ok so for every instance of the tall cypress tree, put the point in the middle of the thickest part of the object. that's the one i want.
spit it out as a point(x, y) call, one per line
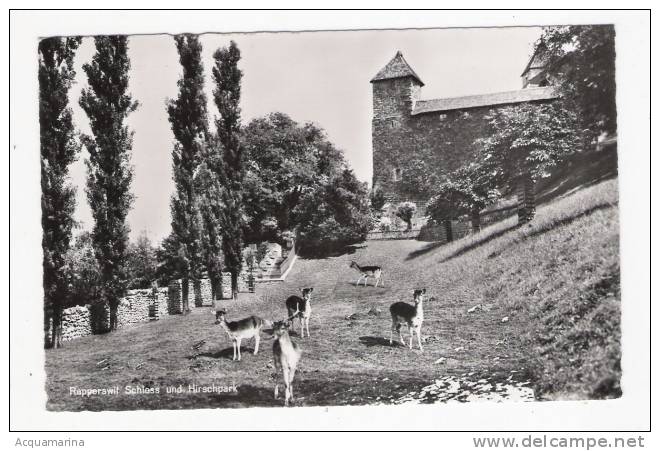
point(188, 118)
point(58, 150)
point(227, 95)
point(109, 172)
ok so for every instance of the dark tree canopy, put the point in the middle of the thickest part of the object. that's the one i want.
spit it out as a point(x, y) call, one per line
point(283, 159)
point(59, 149)
point(188, 118)
point(142, 263)
point(583, 59)
point(227, 95)
point(109, 172)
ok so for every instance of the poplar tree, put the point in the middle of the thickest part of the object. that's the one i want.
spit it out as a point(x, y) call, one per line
point(109, 171)
point(227, 95)
point(59, 149)
point(188, 118)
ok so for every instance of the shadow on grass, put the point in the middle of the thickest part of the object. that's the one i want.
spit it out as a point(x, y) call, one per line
point(461, 250)
point(227, 353)
point(320, 253)
point(553, 225)
point(370, 341)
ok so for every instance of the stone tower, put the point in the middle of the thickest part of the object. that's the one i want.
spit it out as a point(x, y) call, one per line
point(396, 88)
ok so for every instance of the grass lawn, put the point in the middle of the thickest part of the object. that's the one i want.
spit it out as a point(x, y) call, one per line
point(556, 281)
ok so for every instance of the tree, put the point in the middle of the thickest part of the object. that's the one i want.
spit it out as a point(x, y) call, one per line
point(406, 211)
point(142, 263)
point(227, 95)
point(109, 173)
point(477, 185)
point(283, 161)
point(582, 60)
point(210, 203)
point(446, 205)
point(188, 118)
point(524, 144)
point(83, 272)
point(58, 150)
point(334, 214)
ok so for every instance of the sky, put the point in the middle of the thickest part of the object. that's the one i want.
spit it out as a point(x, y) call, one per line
point(322, 77)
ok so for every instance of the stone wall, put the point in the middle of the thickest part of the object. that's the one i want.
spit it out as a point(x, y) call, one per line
point(138, 306)
point(203, 293)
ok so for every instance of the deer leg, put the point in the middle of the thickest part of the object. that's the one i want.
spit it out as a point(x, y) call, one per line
point(287, 385)
point(419, 338)
point(238, 346)
point(277, 389)
point(398, 329)
point(233, 347)
point(412, 333)
point(256, 343)
point(307, 326)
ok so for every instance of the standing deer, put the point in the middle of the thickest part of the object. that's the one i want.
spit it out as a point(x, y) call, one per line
point(368, 271)
point(301, 308)
point(237, 330)
point(411, 315)
point(286, 355)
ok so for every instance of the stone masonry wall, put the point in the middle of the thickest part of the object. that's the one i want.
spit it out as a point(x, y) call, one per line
point(175, 301)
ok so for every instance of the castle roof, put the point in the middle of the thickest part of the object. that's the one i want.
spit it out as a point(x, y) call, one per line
point(476, 101)
point(398, 67)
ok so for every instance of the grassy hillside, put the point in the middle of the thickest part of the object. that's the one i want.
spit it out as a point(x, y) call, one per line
point(556, 281)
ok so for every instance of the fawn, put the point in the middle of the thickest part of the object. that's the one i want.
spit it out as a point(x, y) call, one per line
point(368, 271)
point(411, 315)
point(237, 330)
point(301, 308)
point(286, 355)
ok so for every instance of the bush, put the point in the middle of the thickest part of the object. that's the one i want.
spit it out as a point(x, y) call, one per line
point(406, 211)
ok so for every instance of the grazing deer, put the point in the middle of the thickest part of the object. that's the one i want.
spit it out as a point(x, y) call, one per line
point(411, 315)
point(301, 308)
point(368, 271)
point(237, 330)
point(286, 355)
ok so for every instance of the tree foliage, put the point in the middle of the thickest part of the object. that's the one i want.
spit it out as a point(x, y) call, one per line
point(583, 60)
point(406, 211)
point(334, 214)
point(109, 172)
point(227, 95)
point(83, 272)
point(59, 149)
point(188, 118)
point(525, 143)
point(283, 160)
point(142, 263)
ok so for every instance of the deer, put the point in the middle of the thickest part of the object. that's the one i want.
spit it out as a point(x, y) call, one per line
point(286, 355)
point(410, 315)
point(237, 330)
point(368, 271)
point(301, 308)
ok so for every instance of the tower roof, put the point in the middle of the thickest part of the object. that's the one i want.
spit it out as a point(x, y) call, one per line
point(398, 67)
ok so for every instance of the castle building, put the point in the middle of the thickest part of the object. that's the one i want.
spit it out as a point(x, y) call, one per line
point(409, 132)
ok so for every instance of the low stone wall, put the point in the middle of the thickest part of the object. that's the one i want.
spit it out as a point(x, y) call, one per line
point(138, 306)
point(76, 322)
point(203, 293)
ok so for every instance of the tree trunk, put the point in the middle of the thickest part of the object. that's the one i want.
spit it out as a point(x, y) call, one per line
point(449, 236)
point(185, 292)
point(526, 199)
point(476, 221)
point(113, 314)
point(234, 283)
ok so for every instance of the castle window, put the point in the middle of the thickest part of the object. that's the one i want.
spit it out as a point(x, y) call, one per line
point(466, 115)
point(442, 117)
point(396, 174)
point(393, 123)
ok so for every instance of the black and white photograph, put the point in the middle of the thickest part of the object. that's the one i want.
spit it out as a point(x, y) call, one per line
point(396, 217)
